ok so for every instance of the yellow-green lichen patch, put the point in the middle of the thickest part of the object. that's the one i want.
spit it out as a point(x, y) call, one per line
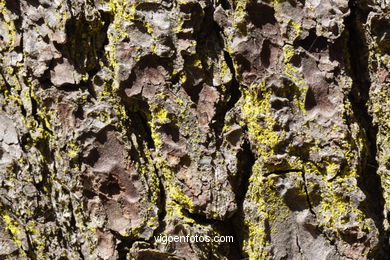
point(13, 228)
point(147, 168)
point(161, 115)
point(337, 209)
point(294, 74)
point(174, 193)
point(121, 11)
point(383, 139)
point(332, 185)
point(266, 209)
point(256, 114)
point(8, 40)
point(37, 238)
point(239, 15)
point(379, 66)
point(125, 12)
point(293, 30)
point(176, 199)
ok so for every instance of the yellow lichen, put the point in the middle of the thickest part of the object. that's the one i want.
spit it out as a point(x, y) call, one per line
point(9, 39)
point(293, 30)
point(257, 117)
point(12, 226)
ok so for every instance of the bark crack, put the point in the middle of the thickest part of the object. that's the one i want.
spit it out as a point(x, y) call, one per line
point(240, 183)
point(311, 209)
point(234, 92)
point(369, 180)
point(309, 203)
point(234, 96)
point(298, 245)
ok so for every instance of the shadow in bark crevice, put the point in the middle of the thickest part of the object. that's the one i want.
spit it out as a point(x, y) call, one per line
point(246, 160)
point(369, 180)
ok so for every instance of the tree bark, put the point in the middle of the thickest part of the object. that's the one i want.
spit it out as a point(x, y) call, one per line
point(122, 121)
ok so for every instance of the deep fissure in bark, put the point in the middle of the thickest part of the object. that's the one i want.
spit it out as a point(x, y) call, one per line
point(369, 180)
point(308, 200)
point(246, 160)
point(140, 119)
point(163, 212)
point(234, 96)
point(123, 247)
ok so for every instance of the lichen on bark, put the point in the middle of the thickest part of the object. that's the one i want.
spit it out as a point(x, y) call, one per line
point(267, 121)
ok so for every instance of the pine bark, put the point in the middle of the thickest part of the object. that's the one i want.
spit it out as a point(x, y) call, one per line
point(125, 120)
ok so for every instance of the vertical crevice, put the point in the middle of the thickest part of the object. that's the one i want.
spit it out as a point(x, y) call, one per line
point(123, 245)
point(240, 184)
point(369, 180)
point(163, 211)
point(211, 44)
point(140, 119)
point(298, 245)
point(139, 114)
point(7, 91)
point(246, 160)
point(309, 203)
point(234, 96)
point(235, 93)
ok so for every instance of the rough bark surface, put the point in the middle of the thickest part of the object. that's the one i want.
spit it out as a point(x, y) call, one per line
point(121, 120)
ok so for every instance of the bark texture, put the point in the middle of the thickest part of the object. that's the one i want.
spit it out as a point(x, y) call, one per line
point(121, 120)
